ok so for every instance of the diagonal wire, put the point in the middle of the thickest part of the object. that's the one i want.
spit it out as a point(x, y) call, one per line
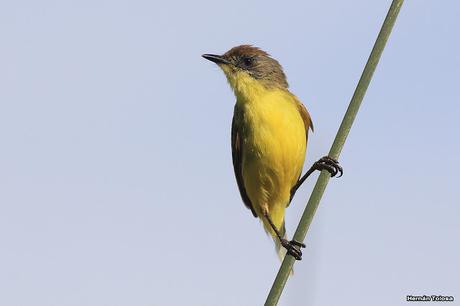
point(339, 141)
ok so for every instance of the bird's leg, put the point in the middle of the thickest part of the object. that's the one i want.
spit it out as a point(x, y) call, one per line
point(324, 163)
point(292, 247)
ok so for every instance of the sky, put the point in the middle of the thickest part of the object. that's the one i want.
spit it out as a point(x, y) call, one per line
point(116, 180)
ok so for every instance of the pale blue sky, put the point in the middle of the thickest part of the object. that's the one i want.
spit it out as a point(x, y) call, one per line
point(116, 181)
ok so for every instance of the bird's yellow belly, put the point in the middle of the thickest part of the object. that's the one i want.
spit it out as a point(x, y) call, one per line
point(273, 155)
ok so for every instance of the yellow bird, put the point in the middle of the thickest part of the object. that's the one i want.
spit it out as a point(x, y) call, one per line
point(269, 139)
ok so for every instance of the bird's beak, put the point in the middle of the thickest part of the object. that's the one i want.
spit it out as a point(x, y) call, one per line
point(218, 59)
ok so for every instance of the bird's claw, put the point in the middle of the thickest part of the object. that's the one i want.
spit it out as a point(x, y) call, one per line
point(293, 248)
point(329, 164)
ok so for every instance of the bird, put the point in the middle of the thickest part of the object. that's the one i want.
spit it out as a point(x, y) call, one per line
point(269, 136)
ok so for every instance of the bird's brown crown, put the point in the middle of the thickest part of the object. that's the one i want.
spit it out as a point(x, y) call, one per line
point(258, 64)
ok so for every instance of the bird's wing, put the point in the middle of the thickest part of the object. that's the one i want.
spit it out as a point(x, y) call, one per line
point(237, 156)
point(305, 117)
point(308, 123)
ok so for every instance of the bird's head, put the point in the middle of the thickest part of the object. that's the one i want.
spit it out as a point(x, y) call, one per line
point(246, 66)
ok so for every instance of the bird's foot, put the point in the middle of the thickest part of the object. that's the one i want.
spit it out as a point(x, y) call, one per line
point(293, 248)
point(329, 164)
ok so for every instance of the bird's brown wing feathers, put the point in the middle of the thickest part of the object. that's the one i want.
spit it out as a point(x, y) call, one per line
point(237, 156)
point(308, 123)
point(305, 117)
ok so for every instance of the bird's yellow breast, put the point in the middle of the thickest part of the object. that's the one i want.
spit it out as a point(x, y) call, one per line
point(274, 145)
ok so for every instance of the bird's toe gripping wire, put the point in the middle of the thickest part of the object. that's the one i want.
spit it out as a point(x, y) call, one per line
point(324, 163)
point(329, 164)
point(293, 248)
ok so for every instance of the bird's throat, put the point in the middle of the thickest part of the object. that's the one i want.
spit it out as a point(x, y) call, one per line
point(246, 88)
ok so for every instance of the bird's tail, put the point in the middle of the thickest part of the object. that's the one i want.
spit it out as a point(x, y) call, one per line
point(280, 250)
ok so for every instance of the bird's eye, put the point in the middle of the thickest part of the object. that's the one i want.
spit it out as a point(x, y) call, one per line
point(248, 61)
